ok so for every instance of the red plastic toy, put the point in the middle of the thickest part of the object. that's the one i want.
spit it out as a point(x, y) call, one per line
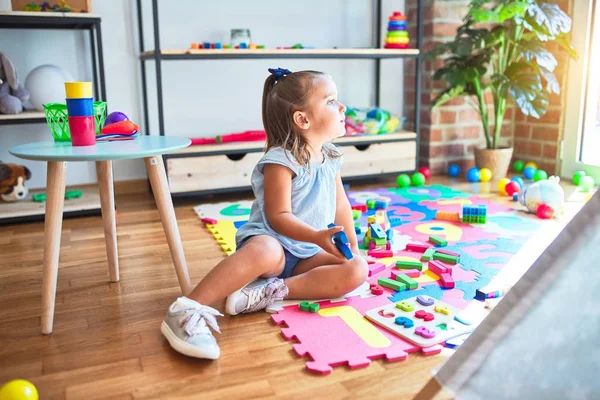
point(512, 187)
point(545, 211)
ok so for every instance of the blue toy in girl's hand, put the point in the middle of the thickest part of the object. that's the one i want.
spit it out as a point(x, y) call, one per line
point(453, 170)
point(341, 242)
point(529, 172)
point(473, 175)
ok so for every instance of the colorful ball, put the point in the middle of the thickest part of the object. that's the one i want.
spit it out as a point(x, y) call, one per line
point(403, 180)
point(502, 186)
point(425, 171)
point(18, 389)
point(115, 116)
point(586, 183)
point(545, 211)
point(453, 170)
point(473, 175)
point(485, 174)
point(531, 164)
point(418, 179)
point(577, 176)
point(511, 188)
point(528, 172)
point(519, 180)
point(518, 166)
point(539, 175)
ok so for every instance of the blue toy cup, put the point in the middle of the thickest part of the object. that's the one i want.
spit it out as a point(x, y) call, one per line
point(80, 107)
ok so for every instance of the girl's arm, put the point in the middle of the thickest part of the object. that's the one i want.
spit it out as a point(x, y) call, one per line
point(278, 209)
point(343, 214)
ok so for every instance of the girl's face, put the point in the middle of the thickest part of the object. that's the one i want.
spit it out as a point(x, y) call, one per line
point(325, 113)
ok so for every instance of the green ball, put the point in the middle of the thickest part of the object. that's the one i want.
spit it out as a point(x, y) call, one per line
point(539, 175)
point(577, 177)
point(418, 179)
point(403, 180)
point(586, 183)
point(518, 166)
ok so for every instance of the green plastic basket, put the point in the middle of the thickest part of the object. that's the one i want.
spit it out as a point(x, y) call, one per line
point(58, 119)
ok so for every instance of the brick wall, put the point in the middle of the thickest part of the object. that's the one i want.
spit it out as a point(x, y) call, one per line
point(450, 132)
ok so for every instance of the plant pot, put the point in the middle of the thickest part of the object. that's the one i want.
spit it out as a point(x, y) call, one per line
point(497, 160)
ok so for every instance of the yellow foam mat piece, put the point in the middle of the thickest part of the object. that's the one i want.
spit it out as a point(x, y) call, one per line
point(224, 234)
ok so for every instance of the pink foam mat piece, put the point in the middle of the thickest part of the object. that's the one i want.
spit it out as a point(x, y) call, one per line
point(330, 342)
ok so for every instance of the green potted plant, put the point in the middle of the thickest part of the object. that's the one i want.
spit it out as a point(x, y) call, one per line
point(507, 56)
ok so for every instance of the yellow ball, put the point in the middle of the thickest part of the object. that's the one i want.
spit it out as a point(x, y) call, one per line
point(531, 164)
point(19, 389)
point(502, 186)
point(485, 175)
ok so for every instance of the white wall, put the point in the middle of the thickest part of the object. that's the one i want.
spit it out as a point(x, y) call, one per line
point(201, 98)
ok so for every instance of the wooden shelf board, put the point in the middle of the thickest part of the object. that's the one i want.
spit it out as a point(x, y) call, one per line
point(48, 14)
point(254, 146)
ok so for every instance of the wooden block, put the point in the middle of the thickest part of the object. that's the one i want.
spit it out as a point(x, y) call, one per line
point(437, 268)
point(409, 282)
point(409, 265)
point(377, 232)
point(445, 258)
point(438, 241)
point(447, 216)
point(428, 254)
point(450, 253)
point(390, 284)
point(360, 207)
point(380, 253)
point(412, 273)
point(420, 248)
point(375, 268)
point(446, 281)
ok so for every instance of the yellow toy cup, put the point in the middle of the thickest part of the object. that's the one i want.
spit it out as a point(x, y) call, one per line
point(78, 90)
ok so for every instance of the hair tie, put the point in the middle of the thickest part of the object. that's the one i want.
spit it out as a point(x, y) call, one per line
point(279, 72)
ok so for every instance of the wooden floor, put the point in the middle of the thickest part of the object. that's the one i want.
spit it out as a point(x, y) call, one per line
point(107, 343)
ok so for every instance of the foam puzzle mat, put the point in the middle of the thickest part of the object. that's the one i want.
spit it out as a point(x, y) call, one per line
point(339, 334)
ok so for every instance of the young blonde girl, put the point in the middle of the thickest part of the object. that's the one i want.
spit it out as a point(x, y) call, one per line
point(285, 250)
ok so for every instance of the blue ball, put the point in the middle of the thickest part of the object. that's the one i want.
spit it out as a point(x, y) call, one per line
point(519, 180)
point(453, 170)
point(473, 175)
point(528, 172)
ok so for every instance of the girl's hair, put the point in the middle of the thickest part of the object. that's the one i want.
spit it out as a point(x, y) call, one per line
point(283, 95)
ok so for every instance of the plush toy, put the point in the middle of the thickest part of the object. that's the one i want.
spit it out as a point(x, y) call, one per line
point(546, 191)
point(12, 94)
point(12, 181)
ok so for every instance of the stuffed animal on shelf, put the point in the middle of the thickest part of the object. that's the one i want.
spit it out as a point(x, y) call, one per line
point(12, 94)
point(12, 181)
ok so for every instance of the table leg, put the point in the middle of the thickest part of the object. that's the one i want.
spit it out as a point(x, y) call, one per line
point(160, 187)
point(107, 202)
point(55, 200)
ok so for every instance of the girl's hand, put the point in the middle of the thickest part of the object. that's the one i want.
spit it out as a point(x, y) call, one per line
point(324, 239)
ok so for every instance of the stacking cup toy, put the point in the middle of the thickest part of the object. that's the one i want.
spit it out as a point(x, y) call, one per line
point(80, 107)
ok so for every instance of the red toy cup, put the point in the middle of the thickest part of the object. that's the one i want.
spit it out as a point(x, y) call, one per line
point(83, 131)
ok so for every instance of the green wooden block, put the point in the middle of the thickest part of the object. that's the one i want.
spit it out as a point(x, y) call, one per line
point(394, 285)
point(445, 258)
point(380, 242)
point(427, 255)
point(408, 281)
point(313, 307)
point(409, 265)
point(438, 241)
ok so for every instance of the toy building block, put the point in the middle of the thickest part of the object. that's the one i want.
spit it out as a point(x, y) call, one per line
point(428, 254)
point(390, 284)
point(445, 258)
point(360, 207)
point(377, 232)
point(474, 214)
point(380, 253)
point(390, 234)
point(375, 268)
point(357, 227)
point(341, 242)
point(381, 204)
point(309, 307)
point(376, 289)
point(356, 214)
point(411, 273)
point(446, 281)
point(409, 265)
point(380, 242)
point(438, 241)
point(410, 283)
point(450, 253)
point(395, 221)
point(209, 221)
point(370, 204)
point(447, 216)
point(437, 268)
point(419, 248)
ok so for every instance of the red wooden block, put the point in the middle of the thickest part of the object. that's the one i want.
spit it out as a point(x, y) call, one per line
point(450, 253)
point(375, 268)
point(420, 248)
point(446, 281)
point(376, 289)
point(437, 267)
point(380, 253)
point(411, 273)
point(360, 207)
point(208, 221)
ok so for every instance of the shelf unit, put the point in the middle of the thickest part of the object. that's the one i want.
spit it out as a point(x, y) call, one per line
point(89, 204)
point(225, 152)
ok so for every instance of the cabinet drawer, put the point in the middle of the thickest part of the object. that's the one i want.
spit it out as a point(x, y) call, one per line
point(190, 174)
point(378, 158)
